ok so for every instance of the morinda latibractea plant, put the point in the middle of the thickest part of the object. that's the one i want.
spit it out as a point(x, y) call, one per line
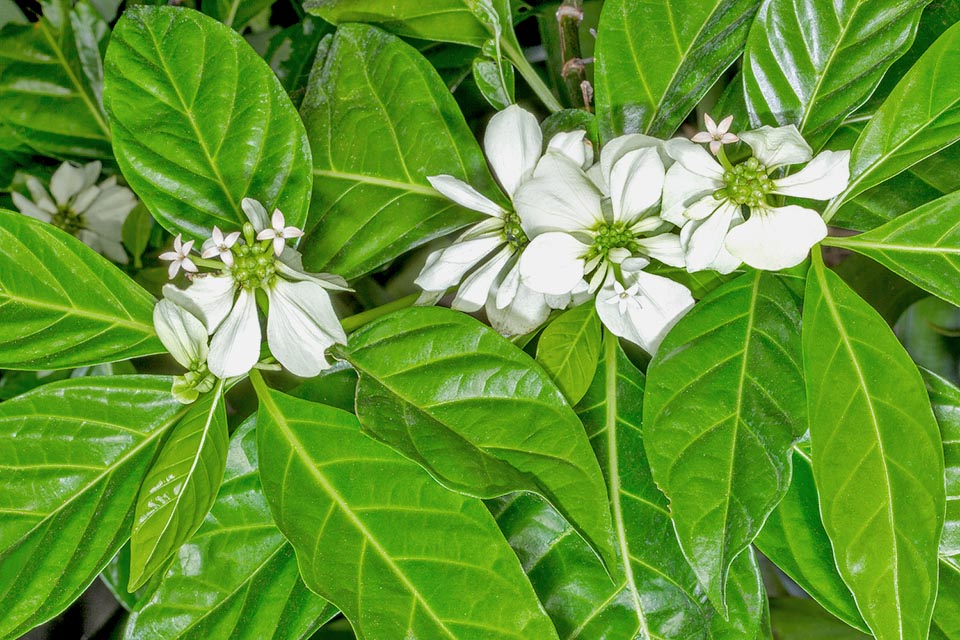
point(480, 319)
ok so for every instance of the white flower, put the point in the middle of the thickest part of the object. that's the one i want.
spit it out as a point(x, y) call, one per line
point(92, 212)
point(219, 245)
point(185, 338)
point(279, 232)
point(716, 134)
point(483, 260)
point(301, 322)
point(180, 257)
point(706, 199)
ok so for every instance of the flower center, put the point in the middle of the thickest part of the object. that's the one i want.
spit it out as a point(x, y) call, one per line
point(513, 232)
point(253, 265)
point(68, 220)
point(608, 237)
point(747, 183)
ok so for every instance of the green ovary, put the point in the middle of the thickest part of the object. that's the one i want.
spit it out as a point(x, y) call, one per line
point(68, 220)
point(254, 265)
point(747, 183)
point(611, 236)
point(513, 232)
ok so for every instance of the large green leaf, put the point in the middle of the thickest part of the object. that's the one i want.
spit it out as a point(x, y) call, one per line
point(194, 132)
point(180, 487)
point(478, 413)
point(877, 457)
point(946, 614)
point(62, 305)
point(945, 401)
point(50, 83)
point(724, 404)
point(656, 60)
point(238, 575)
point(920, 117)
point(380, 121)
point(235, 13)
point(803, 619)
point(923, 246)
point(813, 62)
point(568, 350)
point(72, 455)
point(401, 556)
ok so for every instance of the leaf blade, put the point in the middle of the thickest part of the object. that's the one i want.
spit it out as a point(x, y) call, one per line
point(568, 350)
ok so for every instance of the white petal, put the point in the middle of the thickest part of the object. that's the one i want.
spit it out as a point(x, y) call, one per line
point(255, 213)
point(775, 147)
point(85, 198)
point(40, 195)
point(67, 181)
point(509, 286)
point(574, 145)
point(559, 198)
point(774, 239)
point(526, 312)
point(27, 207)
point(113, 249)
point(181, 333)
point(465, 195)
point(636, 184)
point(683, 189)
point(662, 303)
point(620, 146)
point(446, 267)
point(475, 290)
point(210, 298)
point(695, 159)
point(513, 143)
point(235, 347)
point(301, 326)
point(553, 263)
point(703, 239)
point(325, 280)
point(825, 177)
point(665, 247)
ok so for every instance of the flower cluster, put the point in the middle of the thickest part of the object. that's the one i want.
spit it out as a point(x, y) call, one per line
point(223, 303)
point(92, 212)
point(583, 226)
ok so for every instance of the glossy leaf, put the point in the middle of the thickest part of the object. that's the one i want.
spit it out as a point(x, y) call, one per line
point(568, 350)
point(49, 79)
point(946, 614)
point(62, 305)
point(73, 454)
point(813, 62)
point(237, 577)
point(803, 619)
point(376, 536)
point(724, 405)
point(180, 487)
point(923, 246)
point(495, 79)
point(877, 457)
point(794, 539)
point(478, 413)
point(235, 13)
point(945, 401)
point(921, 117)
point(656, 60)
point(196, 133)
point(380, 121)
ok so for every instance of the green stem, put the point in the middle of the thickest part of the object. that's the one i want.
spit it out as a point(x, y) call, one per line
point(532, 77)
point(259, 385)
point(352, 323)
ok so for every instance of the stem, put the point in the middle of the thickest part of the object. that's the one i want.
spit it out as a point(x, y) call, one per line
point(259, 385)
point(532, 77)
point(574, 70)
point(352, 323)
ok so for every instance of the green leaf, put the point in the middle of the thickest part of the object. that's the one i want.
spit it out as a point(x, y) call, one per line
point(921, 117)
point(656, 60)
point(380, 121)
point(877, 457)
point(180, 487)
point(376, 536)
point(724, 405)
point(946, 614)
point(238, 575)
point(137, 229)
point(73, 455)
point(495, 423)
point(495, 79)
point(794, 539)
point(803, 619)
point(569, 348)
point(813, 62)
point(923, 246)
point(63, 305)
point(235, 13)
point(292, 52)
point(196, 133)
point(945, 401)
point(50, 86)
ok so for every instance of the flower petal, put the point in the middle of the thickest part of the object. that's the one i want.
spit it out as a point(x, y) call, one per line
point(559, 198)
point(235, 347)
point(574, 145)
point(525, 312)
point(67, 181)
point(825, 177)
point(446, 267)
point(255, 213)
point(553, 263)
point(40, 195)
point(695, 159)
point(210, 298)
point(620, 146)
point(326, 280)
point(181, 333)
point(662, 302)
point(301, 326)
point(683, 190)
point(778, 146)
point(513, 143)
point(27, 207)
point(665, 247)
point(475, 290)
point(636, 184)
point(465, 195)
point(703, 239)
point(774, 239)
point(113, 249)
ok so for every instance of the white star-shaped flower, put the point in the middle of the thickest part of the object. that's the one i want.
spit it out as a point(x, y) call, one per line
point(278, 232)
point(219, 245)
point(625, 297)
point(180, 257)
point(716, 134)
